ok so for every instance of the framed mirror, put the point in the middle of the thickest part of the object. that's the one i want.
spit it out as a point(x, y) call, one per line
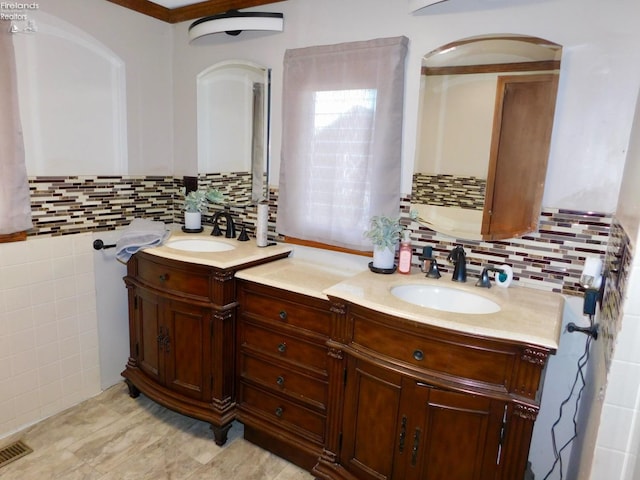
point(233, 130)
point(486, 113)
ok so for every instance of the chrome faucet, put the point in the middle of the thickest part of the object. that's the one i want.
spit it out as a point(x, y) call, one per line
point(230, 231)
point(458, 257)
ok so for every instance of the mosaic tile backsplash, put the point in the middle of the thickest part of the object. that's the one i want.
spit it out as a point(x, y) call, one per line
point(449, 190)
point(77, 204)
point(236, 186)
point(549, 259)
point(66, 205)
point(617, 267)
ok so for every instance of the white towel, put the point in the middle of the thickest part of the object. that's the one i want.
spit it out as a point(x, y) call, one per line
point(140, 233)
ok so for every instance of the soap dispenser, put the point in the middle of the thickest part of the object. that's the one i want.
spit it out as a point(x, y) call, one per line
point(404, 260)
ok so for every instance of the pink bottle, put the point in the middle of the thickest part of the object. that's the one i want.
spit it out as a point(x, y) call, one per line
point(404, 260)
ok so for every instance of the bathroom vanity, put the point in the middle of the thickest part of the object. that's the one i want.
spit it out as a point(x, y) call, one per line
point(182, 327)
point(333, 371)
point(434, 395)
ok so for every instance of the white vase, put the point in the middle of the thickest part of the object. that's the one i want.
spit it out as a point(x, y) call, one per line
point(383, 257)
point(192, 220)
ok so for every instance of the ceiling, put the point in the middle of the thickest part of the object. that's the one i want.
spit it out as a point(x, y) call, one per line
point(174, 11)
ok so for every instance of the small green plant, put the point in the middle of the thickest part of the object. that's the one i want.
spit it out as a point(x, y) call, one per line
point(196, 200)
point(215, 196)
point(384, 232)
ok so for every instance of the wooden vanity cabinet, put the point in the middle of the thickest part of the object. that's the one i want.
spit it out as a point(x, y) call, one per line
point(182, 337)
point(165, 348)
point(419, 402)
point(282, 376)
point(396, 426)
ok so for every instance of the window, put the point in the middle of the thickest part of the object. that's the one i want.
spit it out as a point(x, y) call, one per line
point(342, 135)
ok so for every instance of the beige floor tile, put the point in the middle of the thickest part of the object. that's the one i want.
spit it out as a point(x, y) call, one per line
point(242, 460)
point(115, 437)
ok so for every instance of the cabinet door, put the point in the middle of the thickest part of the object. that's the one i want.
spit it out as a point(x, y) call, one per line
point(449, 434)
point(371, 421)
point(186, 349)
point(149, 333)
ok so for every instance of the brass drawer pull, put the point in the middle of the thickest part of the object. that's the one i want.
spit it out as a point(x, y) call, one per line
point(283, 315)
point(418, 355)
point(164, 277)
point(280, 380)
point(279, 412)
point(282, 347)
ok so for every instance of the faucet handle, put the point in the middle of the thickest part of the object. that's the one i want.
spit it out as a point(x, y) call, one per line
point(216, 232)
point(484, 281)
point(427, 256)
point(244, 236)
point(433, 272)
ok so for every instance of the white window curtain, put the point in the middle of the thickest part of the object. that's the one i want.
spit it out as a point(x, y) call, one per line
point(15, 205)
point(342, 140)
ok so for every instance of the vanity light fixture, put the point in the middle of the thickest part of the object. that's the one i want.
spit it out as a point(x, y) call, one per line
point(415, 5)
point(233, 22)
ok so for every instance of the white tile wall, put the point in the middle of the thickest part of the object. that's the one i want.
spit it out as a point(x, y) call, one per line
point(607, 464)
point(48, 328)
point(618, 442)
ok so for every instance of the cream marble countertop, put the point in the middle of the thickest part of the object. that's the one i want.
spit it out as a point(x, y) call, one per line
point(242, 253)
point(305, 272)
point(526, 315)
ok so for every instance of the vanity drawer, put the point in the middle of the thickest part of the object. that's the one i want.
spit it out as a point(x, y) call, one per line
point(285, 347)
point(285, 308)
point(284, 381)
point(449, 355)
point(163, 276)
point(284, 413)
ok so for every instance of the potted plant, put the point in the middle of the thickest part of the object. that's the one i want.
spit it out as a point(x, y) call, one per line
point(195, 203)
point(384, 233)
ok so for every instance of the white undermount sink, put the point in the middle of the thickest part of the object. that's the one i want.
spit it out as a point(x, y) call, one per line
point(202, 245)
point(445, 299)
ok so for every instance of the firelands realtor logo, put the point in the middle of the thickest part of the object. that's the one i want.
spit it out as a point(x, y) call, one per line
point(16, 11)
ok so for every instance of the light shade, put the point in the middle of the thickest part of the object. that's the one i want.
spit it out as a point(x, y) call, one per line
point(234, 22)
point(415, 5)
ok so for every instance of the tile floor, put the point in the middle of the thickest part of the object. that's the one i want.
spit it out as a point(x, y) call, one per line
point(114, 437)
